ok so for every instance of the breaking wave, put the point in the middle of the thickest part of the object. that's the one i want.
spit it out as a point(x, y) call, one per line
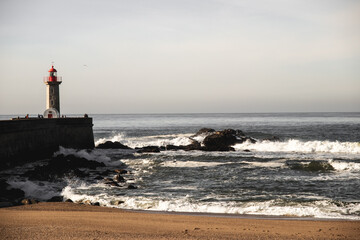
point(156, 140)
point(294, 145)
point(317, 208)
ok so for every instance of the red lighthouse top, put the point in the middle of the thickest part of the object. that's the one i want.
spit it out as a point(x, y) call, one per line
point(52, 69)
point(52, 76)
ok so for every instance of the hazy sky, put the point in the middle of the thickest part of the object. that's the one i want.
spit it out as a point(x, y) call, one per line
point(181, 56)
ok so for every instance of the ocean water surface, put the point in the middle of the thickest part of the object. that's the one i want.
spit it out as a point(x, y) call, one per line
point(265, 179)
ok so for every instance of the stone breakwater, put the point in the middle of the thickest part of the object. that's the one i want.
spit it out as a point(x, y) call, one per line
point(26, 139)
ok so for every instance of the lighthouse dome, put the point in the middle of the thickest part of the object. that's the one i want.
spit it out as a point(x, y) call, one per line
point(52, 69)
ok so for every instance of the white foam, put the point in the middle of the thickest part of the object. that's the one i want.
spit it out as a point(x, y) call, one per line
point(317, 209)
point(322, 208)
point(156, 140)
point(293, 145)
point(119, 137)
point(40, 191)
point(191, 164)
point(271, 164)
point(98, 155)
point(345, 166)
point(200, 138)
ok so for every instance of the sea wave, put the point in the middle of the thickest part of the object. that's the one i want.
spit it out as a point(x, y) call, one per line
point(98, 155)
point(156, 140)
point(323, 208)
point(36, 189)
point(294, 145)
point(191, 164)
point(291, 145)
point(345, 166)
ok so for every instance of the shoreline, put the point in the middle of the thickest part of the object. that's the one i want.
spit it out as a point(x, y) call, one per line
point(195, 214)
point(240, 216)
point(74, 221)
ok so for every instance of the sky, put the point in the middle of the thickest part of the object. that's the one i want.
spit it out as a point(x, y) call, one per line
point(181, 56)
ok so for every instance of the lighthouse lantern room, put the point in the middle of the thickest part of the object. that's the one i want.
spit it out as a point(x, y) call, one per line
point(52, 94)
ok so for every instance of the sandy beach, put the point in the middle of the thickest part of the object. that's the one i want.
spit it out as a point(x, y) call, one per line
point(74, 221)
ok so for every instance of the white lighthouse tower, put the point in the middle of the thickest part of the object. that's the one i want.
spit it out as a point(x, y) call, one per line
point(52, 94)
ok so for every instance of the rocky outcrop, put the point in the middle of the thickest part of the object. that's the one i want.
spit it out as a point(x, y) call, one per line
point(220, 141)
point(131, 186)
point(204, 131)
point(60, 166)
point(149, 149)
point(223, 140)
point(8, 195)
point(313, 166)
point(213, 141)
point(112, 145)
point(119, 178)
point(194, 145)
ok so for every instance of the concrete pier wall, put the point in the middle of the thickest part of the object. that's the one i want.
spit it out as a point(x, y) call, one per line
point(22, 140)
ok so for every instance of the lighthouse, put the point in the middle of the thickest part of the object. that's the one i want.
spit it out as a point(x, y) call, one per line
point(52, 94)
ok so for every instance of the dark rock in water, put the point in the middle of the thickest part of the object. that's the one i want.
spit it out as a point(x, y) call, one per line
point(114, 184)
point(239, 133)
point(13, 194)
point(172, 147)
point(121, 171)
point(60, 166)
point(246, 150)
point(110, 182)
point(220, 141)
point(214, 141)
point(8, 194)
point(313, 166)
point(149, 149)
point(95, 204)
point(194, 145)
point(227, 132)
point(204, 131)
point(56, 199)
point(295, 166)
point(132, 187)
point(69, 200)
point(106, 180)
point(112, 145)
point(319, 166)
point(119, 178)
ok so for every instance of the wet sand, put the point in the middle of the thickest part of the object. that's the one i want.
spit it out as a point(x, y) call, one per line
point(74, 221)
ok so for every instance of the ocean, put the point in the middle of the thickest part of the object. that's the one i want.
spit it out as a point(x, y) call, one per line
point(268, 177)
